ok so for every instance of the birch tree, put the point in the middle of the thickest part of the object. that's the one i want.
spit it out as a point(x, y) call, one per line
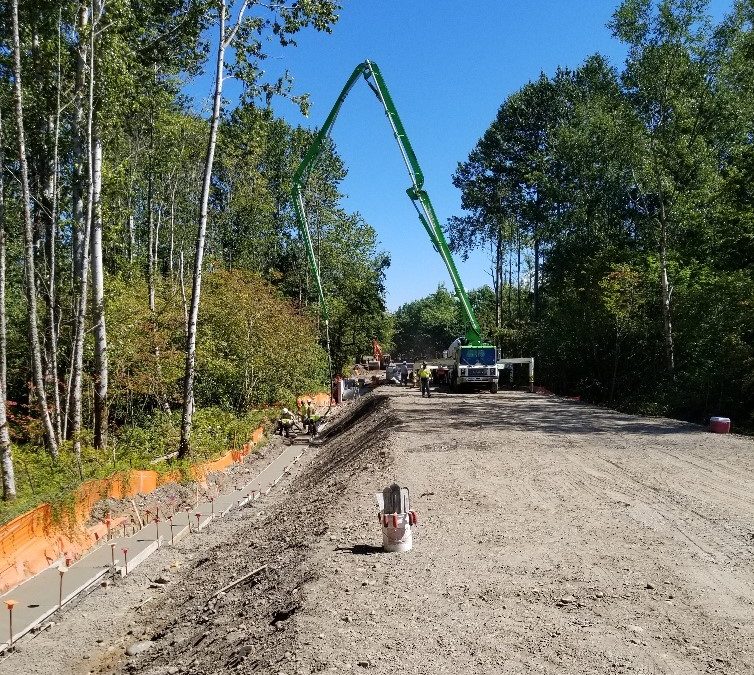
point(81, 238)
point(97, 264)
point(53, 199)
point(190, 372)
point(6, 457)
point(248, 50)
point(98, 300)
point(28, 238)
point(666, 83)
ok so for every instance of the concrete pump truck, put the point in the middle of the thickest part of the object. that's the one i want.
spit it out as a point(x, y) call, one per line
point(473, 361)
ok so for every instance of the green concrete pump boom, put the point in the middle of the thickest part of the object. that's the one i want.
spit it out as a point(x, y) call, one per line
point(419, 197)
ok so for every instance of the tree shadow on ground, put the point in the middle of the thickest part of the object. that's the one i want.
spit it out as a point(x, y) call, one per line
point(545, 415)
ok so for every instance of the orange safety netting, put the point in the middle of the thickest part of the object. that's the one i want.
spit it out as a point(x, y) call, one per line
point(34, 540)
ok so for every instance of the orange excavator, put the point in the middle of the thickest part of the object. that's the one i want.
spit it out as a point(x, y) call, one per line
point(383, 359)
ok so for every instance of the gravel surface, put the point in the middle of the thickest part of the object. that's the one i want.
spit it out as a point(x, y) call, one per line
point(554, 537)
point(101, 626)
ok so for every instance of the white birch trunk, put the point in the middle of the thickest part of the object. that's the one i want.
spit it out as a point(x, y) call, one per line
point(52, 235)
point(98, 300)
point(188, 380)
point(80, 324)
point(184, 301)
point(667, 315)
point(171, 250)
point(131, 238)
point(150, 243)
point(80, 226)
point(3, 320)
point(29, 265)
point(154, 246)
point(6, 455)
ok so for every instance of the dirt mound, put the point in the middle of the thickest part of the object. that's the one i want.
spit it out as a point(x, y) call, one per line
point(247, 629)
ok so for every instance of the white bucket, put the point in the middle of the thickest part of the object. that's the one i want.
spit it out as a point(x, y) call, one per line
point(396, 532)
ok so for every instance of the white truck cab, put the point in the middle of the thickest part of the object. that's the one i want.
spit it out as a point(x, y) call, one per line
point(473, 365)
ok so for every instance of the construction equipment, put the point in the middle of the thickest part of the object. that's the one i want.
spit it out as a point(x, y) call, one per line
point(474, 361)
point(379, 356)
point(472, 364)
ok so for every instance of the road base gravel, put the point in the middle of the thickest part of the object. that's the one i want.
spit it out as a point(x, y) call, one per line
point(553, 537)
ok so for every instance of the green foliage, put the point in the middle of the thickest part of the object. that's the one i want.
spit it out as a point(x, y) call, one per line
point(214, 431)
point(40, 479)
point(426, 327)
point(604, 176)
point(353, 275)
point(257, 230)
point(255, 348)
point(258, 345)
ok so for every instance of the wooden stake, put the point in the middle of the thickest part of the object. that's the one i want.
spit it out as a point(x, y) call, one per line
point(10, 604)
point(138, 515)
point(238, 581)
point(61, 570)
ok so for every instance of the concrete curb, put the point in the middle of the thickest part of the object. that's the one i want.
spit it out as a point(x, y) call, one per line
point(138, 558)
point(41, 591)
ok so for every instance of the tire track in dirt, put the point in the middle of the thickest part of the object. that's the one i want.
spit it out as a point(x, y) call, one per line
point(697, 528)
point(537, 536)
point(722, 578)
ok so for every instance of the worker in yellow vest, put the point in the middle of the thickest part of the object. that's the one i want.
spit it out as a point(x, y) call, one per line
point(309, 410)
point(313, 419)
point(424, 375)
point(285, 423)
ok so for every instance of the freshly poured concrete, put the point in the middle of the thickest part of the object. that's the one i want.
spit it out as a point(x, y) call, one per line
point(39, 597)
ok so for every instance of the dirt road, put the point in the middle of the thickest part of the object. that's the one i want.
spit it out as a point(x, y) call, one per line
point(554, 538)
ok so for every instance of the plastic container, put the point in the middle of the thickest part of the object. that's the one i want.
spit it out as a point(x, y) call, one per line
point(719, 425)
point(396, 532)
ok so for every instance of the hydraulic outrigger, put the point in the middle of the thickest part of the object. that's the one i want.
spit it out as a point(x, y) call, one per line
point(483, 357)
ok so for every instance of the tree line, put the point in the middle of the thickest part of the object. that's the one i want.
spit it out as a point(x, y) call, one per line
point(150, 267)
point(618, 210)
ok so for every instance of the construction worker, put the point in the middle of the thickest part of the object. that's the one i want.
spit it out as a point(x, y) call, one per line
point(404, 373)
point(307, 412)
point(424, 375)
point(313, 420)
point(285, 423)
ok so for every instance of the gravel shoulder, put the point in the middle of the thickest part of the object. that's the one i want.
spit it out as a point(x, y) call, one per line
point(554, 537)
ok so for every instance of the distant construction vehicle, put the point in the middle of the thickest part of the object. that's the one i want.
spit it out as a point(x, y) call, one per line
point(474, 362)
point(379, 356)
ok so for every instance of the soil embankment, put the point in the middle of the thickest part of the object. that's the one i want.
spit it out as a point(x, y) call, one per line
point(252, 626)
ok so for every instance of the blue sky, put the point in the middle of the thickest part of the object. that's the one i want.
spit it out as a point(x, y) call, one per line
point(449, 65)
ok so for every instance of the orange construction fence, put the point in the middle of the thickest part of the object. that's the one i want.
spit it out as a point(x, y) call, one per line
point(34, 540)
point(319, 399)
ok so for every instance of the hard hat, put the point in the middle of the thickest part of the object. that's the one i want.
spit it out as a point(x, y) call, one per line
point(285, 410)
